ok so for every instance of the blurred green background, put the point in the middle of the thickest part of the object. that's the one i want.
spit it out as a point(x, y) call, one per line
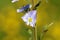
point(12, 26)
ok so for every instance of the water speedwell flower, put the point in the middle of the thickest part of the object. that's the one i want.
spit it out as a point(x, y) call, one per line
point(30, 18)
point(13, 1)
point(24, 8)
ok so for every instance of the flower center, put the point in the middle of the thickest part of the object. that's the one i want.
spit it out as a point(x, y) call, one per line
point(30, 19)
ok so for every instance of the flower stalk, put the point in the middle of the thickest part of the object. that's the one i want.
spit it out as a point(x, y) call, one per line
point(35, 33)
point(34, 28)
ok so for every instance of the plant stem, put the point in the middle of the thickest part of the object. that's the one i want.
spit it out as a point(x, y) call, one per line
point(34, 28)
point(32, 4)
point(34, 33)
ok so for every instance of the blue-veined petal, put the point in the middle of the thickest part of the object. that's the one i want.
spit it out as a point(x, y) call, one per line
point(24, 8)
point(20, 10)
point(30, 18)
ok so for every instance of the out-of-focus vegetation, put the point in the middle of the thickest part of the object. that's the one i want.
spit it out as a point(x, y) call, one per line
point(12, 26)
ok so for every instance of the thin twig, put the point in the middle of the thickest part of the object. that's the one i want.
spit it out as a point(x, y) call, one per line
point(35, 28)
point(34, 33)
point(32, 4)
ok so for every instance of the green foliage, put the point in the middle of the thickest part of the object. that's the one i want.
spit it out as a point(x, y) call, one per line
point(55, 2)
point(2, 35)
point(4, 3)
point(24, 31)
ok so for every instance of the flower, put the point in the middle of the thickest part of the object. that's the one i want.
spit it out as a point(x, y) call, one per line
point(13, 1)
point(30, 18)
point(24, 8)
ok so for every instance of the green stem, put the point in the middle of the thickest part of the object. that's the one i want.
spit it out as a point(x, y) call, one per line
point(34, 28)
point(41, 36)
point(32, 4)
point(34, 33)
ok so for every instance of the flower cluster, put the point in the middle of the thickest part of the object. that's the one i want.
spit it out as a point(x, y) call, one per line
point(30, 17)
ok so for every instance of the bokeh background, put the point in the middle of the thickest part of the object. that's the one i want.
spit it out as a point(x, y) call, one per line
point(12, 26)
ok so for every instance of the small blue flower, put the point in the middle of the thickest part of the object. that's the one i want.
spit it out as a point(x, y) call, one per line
point(30, 18)
point(24, 8)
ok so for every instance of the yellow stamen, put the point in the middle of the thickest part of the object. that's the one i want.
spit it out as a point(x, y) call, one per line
point(30, 19)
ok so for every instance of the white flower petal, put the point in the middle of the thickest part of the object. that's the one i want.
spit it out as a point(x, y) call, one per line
point(13, 1)
point(19, 10)
point(32, 25)
point(25, 20)
point(27, 23)
point(30, 6)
